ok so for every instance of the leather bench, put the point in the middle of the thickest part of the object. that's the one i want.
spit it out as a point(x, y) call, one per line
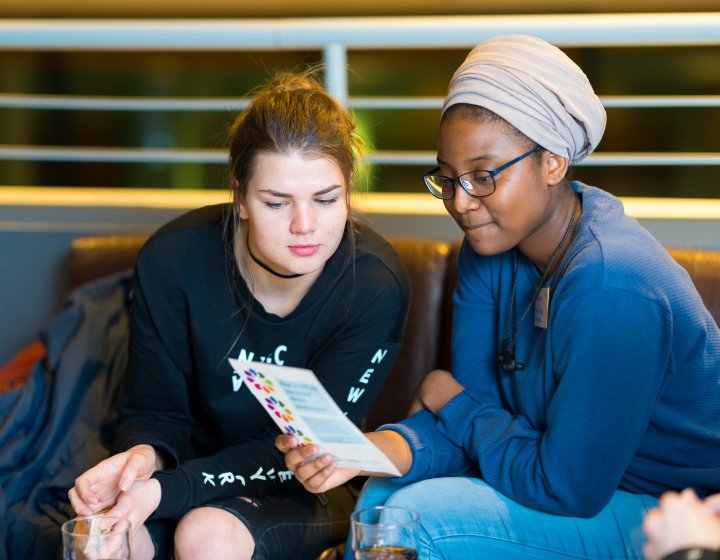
point(432, 267)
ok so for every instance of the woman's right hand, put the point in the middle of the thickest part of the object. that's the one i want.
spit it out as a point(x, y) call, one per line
point(317, 475)
point(98, 488)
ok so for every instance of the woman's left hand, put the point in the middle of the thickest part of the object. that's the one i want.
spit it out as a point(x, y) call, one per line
point(138, 502)
point(437, 389)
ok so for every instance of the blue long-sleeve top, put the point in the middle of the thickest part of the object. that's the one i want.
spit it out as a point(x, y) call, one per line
point(621, 391)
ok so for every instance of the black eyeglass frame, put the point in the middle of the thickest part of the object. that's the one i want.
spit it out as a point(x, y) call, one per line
point(491, 173)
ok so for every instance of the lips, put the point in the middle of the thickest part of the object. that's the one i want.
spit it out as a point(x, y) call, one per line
point(471, 227)
point(304, 250)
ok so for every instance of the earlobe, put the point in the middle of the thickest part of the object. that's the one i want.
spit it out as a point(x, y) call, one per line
point(241, 210)
point(557, 168)
point(240, 207)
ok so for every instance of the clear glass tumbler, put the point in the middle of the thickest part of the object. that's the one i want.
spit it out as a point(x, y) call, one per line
point(98, 537)
point(384, 533)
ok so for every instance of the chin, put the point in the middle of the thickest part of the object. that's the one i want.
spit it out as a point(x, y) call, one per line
point(483, 248)
point(304, 265)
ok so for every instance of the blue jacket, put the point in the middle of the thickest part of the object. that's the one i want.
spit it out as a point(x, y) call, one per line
point(58, 425)
point(621, 391)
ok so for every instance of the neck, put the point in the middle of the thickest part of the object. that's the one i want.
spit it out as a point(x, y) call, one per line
point(548, 254)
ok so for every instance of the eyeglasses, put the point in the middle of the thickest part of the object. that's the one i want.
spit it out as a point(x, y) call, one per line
point(476, 183)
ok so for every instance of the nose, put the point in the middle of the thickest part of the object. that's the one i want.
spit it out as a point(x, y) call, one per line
point(462, 202)
point(303, 220)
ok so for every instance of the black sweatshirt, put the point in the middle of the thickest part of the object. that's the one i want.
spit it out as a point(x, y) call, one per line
point(190, 313)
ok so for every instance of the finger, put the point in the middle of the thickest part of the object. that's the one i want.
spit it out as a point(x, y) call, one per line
point(83, 488)
point(80, 507)
point(650, 522)
point(317, 482)
point(127, 477)
point(300, 455)
point(713, 502)
point(285, 443)
point(307, 472)
point(136, 463)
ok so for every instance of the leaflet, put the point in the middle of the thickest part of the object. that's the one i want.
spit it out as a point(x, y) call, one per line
point(300, 406)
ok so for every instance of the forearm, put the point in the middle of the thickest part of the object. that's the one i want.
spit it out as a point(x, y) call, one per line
point(254, 468)
point(394, 446)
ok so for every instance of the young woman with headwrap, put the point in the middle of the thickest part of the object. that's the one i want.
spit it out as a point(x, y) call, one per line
point(586, 371)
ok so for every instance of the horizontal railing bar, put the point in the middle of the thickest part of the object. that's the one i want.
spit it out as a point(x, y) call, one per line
point(642, 29)
point(597, 159)
point(415, 203)
point(388, 157)
point(118, 155)
point(92, 103)
point(664, 101)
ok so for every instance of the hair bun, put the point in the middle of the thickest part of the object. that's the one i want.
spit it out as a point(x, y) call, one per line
point(293, 82)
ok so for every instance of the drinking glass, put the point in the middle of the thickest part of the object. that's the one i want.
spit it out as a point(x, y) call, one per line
point(97, 537)
point(384, 533)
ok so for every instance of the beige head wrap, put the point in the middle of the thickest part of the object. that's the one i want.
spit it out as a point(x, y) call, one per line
point(535, 87)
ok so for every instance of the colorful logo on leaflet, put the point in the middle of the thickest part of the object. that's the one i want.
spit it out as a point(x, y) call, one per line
point(261, 383)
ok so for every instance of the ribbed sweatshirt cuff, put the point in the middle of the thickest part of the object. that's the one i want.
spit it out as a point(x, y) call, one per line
point(417, 448)
point(174, 494)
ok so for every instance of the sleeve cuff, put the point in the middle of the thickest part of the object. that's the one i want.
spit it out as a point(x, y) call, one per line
point(174, 494)
point(417, 448)
point(456, 417)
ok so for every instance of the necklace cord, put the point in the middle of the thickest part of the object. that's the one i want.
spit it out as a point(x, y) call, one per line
point(507, 353)
point(265, 266)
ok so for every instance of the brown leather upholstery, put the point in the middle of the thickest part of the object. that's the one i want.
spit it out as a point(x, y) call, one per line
point(432, 266)
point(94, 257)
point(427, 265)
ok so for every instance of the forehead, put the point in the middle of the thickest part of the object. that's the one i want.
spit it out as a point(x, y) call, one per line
point(295, 172)
point(465, 137)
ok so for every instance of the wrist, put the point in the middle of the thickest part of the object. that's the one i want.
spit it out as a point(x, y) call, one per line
point(694, 554)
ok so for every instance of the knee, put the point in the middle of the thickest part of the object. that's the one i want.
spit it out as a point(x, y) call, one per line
point(438, 499)
point(212, 533)
point(416, 496)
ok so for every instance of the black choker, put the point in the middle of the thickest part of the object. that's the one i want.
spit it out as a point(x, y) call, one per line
point(264, 266)
point(507, 350)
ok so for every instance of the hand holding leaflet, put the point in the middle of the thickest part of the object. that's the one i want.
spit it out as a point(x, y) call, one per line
point(300, 406)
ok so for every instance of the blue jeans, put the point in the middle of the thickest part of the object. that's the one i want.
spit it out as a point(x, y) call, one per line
point(464, 518)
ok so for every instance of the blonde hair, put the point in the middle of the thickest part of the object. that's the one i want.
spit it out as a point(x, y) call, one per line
point(292, 113)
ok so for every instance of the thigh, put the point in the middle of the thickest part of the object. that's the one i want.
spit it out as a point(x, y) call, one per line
point(296, 525)
point(162, 532)
point(466, 518)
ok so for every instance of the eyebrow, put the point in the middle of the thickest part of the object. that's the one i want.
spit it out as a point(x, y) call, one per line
point(484, 157)
point(287, 195)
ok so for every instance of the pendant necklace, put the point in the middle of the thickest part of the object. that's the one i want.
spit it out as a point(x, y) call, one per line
point(263, 265)
point(507, 351)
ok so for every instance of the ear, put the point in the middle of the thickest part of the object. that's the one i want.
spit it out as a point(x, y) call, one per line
point(242, 210)
point(556, 168)
point(239, 201)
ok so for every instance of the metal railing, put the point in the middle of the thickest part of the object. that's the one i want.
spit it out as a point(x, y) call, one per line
point(333, 38)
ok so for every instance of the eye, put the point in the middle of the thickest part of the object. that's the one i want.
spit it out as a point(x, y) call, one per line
point(274, 205)
point(444, 182)
point(326, 201)
point(481, 177)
